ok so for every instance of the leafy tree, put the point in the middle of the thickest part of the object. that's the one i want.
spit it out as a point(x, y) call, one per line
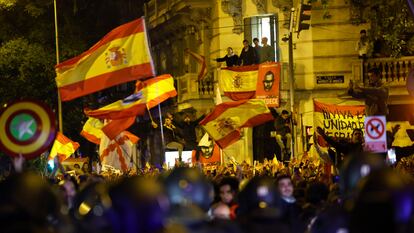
point(27, 47)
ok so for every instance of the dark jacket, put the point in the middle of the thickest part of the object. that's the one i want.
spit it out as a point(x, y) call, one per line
point(187, 131)
point(230, 61)
point(171, 134)
point(248, 57)
point(376, 99)
point(282, 126)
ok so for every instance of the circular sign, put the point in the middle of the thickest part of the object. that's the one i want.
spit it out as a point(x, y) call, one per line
point(375, 128)
point(29, 128)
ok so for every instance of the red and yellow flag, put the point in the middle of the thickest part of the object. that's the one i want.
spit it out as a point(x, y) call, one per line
point(149, 93)
point(119, 152)
point(201, 60)
point(63, 147)
point(120, 56)
point(227, 119)
point(239, 82)
point(92, 130)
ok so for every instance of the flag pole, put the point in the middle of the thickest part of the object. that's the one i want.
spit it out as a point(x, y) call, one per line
point(57, 62)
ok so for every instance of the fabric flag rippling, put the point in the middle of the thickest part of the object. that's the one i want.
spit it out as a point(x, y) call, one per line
point(239, 82)
point(227, 119)
point(63, 147)
point(120, 56)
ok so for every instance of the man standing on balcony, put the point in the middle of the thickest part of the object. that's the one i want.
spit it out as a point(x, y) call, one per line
point(248, 55)
point(267, 53)
point(257, 49)
point(375, 95)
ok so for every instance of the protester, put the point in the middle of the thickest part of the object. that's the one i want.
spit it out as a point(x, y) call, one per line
point(172, 138)
point(283, 134)
point(362, 45)
point(375, 94)
point(230, 58)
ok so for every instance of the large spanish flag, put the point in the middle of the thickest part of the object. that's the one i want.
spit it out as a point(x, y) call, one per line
point(63, 147)
point(227, 119)
point(120, 56)
point(239, 82)
point(149, 94)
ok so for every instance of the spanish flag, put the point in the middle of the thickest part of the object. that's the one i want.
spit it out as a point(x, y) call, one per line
point(92, 130)
point(227, 119)
point(201, 60)
point(63, 147)
point(120, 56)
point(239, 82)
point(149, 93)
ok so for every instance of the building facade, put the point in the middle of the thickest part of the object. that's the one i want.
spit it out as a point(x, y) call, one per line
point(325, 58)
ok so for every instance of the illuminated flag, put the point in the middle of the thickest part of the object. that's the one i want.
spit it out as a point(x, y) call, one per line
point(149, 93)
point(63, 147)
point(227, 119)
point(120, 56)
point(92, 130)
point(201, 60)
point(239, 82)
point(120, 152)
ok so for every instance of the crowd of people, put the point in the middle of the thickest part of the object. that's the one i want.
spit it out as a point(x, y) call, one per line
point(304, 195)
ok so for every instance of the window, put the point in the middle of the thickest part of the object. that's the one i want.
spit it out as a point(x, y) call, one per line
point(262, 26)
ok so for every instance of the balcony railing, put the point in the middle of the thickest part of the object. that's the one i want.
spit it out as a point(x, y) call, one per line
point(190, 88)
point(394, 71)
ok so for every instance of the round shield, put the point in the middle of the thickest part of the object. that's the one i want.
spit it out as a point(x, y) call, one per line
point(28, 128)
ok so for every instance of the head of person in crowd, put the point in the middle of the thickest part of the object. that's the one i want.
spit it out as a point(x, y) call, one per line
point(285, 187)
point(246, 44)
point(260, 199)
point(363, 35)
point(285, 114)
point(384, 203)
point(220, 211)
point(256, 42)
point(92, 208)
point(357, 136)
point(138, 205)
point(189, 194)
point(187, 118)
point(228, 189)
point(355, 167)
point(264, 41)
point(374, 76)
point(268, 81)
point(85, 168)
point(168, 121)
point(230, 51)
point(169, 115)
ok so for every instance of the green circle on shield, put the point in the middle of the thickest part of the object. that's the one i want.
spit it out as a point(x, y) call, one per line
point(23, 126)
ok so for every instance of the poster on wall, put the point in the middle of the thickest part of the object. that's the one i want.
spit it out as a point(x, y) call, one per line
point(268, 83)
point(338, 121)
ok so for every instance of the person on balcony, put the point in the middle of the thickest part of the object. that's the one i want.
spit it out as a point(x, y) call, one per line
point(231, 58)
point(248, 55)
point(362, 45)
point(375, 95)
point(257, 49)
point(267, 53)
